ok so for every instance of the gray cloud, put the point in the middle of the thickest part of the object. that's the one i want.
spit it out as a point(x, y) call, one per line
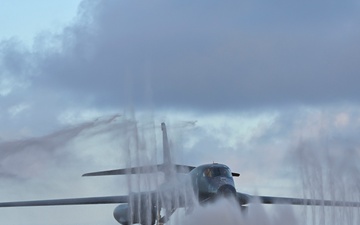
point(202, 56)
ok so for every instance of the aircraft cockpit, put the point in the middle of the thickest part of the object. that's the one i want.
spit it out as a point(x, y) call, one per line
point(216, 171)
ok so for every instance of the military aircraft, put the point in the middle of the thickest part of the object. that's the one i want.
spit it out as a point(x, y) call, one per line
point(204, 184)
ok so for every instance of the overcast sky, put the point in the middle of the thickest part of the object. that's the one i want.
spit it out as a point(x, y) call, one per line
point(272, 87)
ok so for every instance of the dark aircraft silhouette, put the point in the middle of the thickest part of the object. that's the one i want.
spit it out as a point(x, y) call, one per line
point(203, 184)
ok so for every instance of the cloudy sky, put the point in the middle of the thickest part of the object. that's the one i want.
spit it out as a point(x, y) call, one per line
point(269, 88)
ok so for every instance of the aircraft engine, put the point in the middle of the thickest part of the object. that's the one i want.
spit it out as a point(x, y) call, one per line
point(136, 212)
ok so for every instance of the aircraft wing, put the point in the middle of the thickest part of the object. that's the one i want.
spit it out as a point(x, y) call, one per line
point(246, 199)
point(132, 170)
point(69, 201)
point(142, 170)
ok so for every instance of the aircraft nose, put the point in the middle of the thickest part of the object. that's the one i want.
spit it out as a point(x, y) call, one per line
point(226, 191)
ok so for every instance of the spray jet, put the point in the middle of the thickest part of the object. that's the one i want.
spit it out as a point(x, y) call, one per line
point(204, 183)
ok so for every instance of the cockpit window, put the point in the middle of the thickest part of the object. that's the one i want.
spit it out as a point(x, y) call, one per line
point(208, 172)
point(217, 171)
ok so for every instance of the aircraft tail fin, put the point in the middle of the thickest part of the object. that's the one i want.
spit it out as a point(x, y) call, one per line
point(169, 169)
point(166, 147)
